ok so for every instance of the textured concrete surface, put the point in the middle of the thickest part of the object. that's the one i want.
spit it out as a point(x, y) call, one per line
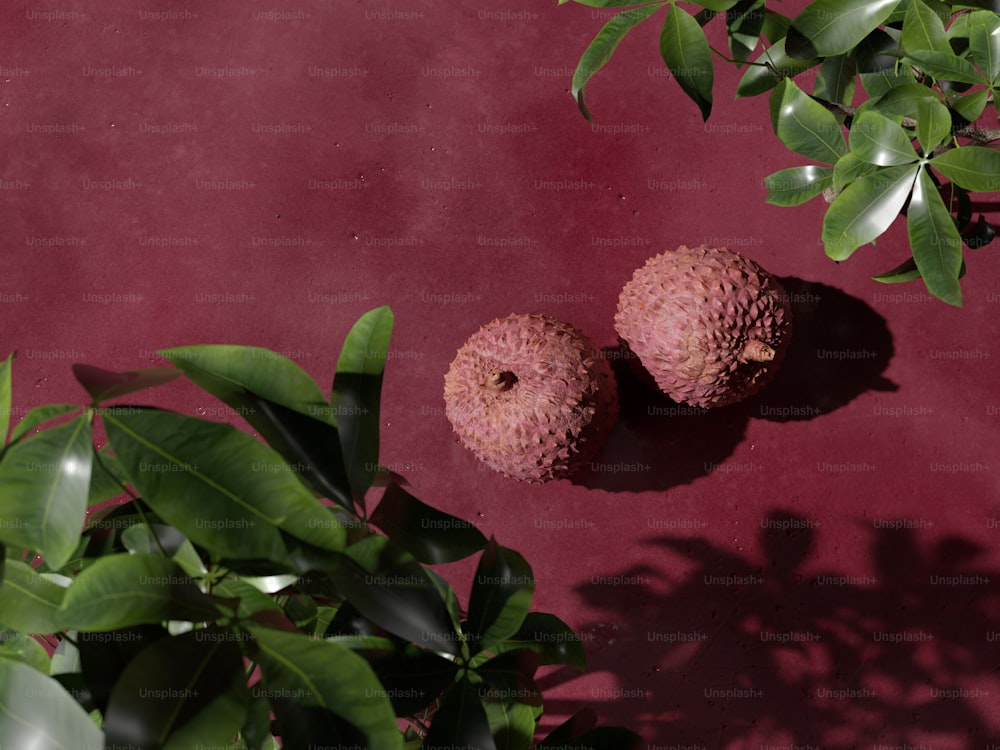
point(815, 567)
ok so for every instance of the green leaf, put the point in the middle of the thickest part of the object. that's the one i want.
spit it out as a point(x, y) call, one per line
point(39, 416)
point(104, 384)
point(878, 65)
point(29, 600)
point(685, 50)
point(933, 124)
point(971, 105)
point(460, 722)
point(25, 649)
point(228, 372)
point(546, 635)
point(945, 66)
point(603, 46)
point(744, 24)
point(140, 538)
point(311, 448)
point(903, 100)
point(252, 599)
point(833, 27)
point(119, 591)
point(984, 43)
point(878, 140)
point(501, 595)
point(866, 208)
point(193, 681)
point(106, 479)
point(224, 490)
point(975, 168)
point(835, 80)
point(795, 186)
point(773, 66)
point(934, 240)
point(905, 271)
point(5, 396)
point(431, 536)
point(848, 169)
point(39, 714)
point(806, 126)
point(390, 588)
point(357, 388)
point(923, 29)
point(512, 725)
point(44, 482)
point(327, 675)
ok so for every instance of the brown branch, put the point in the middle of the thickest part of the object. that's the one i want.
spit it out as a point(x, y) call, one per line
point(989, 135)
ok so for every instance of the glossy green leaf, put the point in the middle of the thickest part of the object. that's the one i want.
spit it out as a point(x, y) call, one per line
point(39, 416)
point(357, 388)
point(140, 538)
point(685, 50)
point(122, 590)
point(877, 64)
point(603, 46)
point(865, 209)
point(251, 599)
point(431, 536)
point(312, 448)
point(835, 80)
point(795, 186)
point(975, 168)
point(102, 385)
point(29, 600)
point(224, 490)
point(512, 725)
point(945, 66)
point(934, 240)
point(329, 676)
point(44, 482)
point(904, 99)
point(229, 371)
point(106, 479)
point(835, 26)
point(804, 125)
point(39, 714)
point(194, 681)
point(971, 105)
point(905, 271)
point(923, 29)
point(848, 169)
point(390, 588)
point(5, 396)
point(769, 69)
point(501, 595)
point(933, 124)
point(25, 649)
point(984, 43)
point(878, 140)
point(546, 635)
point(460, 721)
point(744, 24)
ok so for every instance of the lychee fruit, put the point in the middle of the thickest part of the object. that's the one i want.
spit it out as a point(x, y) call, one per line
point(710, 326)
point(531, 397)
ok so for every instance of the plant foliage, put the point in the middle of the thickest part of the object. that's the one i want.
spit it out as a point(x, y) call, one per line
point(927, 71)
point(188, 585)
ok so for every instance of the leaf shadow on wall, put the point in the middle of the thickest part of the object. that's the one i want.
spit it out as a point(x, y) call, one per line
point(840, 349)
point(712, 650)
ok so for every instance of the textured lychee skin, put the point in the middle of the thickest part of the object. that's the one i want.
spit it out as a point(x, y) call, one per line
point(531, 397)
point(710, 326)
